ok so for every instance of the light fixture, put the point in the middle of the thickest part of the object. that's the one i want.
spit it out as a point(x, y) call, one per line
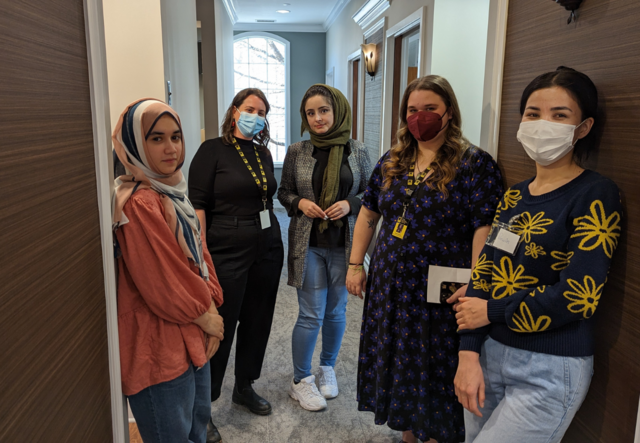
point(570, 5)
point(369, 52)
point(283, 11)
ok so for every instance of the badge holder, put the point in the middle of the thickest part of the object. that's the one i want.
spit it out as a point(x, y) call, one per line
point(402, 223)
point(502, 237)
point(265, 220)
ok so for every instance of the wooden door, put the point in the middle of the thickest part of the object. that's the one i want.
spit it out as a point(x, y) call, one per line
point(397, 93)
point(605, 44)
point(54, 369)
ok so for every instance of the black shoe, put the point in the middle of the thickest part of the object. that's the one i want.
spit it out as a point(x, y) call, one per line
point(243, 394)
point(213, 436)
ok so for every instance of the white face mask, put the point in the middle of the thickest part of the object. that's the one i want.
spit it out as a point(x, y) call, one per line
point(545, 141)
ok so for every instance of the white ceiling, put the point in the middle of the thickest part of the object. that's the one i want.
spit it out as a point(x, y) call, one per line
point(303, 12)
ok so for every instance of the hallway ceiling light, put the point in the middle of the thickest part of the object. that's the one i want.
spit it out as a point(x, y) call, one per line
point(369, 53)
point(283, 11)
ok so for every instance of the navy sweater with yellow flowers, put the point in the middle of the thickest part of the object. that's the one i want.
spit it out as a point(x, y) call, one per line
point(543, 297)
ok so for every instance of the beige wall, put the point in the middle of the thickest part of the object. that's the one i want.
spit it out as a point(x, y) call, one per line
point(458, 54)
point(135, 61)
point(224, 59)
point(180, 37)
point(457, 51)
point(345, 36)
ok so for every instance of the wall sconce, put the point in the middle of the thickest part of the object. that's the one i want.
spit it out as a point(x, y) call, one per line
point(570, 5)
point(369, 52)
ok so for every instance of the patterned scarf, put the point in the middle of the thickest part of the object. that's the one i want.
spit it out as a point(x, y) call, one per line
point(130, 145)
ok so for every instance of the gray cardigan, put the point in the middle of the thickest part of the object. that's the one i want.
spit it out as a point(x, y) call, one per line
point(297, 173)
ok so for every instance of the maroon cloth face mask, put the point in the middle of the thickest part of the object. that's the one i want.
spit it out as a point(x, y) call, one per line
point(425, 125)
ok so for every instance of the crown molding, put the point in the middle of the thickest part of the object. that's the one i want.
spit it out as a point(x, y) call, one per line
point(278, 27)
point(335, 12)
point(373, 29)
point(370, 11)
point(230, 6)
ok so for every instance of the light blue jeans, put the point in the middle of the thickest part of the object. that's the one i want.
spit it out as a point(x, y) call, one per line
point(530, 397)
point(322, 304)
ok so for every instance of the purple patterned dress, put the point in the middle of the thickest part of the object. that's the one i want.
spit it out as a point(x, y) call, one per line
point(408, 347)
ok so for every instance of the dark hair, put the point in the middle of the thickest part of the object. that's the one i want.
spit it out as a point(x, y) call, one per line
point(580, 87)
point(226, 129)
point(312, 92)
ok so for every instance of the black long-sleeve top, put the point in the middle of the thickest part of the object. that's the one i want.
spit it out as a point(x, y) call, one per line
point(221, 184)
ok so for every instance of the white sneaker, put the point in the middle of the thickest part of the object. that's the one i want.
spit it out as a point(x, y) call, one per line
point(307, 394)
point(327, 381)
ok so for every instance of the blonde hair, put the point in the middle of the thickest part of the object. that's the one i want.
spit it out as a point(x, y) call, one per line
point(404, 152)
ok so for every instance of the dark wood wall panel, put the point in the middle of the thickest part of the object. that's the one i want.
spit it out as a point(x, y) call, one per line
point(605, 44)
point(54, 369)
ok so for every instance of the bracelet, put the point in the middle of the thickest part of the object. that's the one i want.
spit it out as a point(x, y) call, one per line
point(356, 264)
point(356, 268)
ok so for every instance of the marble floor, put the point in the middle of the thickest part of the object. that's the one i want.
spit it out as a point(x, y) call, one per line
point(340, 422)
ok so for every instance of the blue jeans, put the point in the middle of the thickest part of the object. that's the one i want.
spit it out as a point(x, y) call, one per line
point(176, 411)
point(323, 304)
point(530, 397)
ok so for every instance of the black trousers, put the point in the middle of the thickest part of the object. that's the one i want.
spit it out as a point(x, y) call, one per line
point(248, 262)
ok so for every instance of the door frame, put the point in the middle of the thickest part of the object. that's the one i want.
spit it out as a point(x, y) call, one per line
point(493, 76)
point(357, 55)
point(99, 91)
point(423, 18)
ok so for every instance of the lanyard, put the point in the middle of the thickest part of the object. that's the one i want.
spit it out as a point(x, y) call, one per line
point(412, 184)
point(262, 187)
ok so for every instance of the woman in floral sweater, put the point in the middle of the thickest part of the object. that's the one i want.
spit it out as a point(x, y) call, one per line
point(526, 353)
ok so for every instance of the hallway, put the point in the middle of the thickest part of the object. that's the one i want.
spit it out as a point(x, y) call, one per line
point(340, 422)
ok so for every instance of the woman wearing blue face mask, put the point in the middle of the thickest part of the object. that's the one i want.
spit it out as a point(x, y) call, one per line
point(231, 186)
point(526, 353)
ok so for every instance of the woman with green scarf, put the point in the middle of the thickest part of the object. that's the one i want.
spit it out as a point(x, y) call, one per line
point(322, 182)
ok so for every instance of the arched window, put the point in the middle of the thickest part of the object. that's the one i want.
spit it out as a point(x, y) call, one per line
point(261, 60)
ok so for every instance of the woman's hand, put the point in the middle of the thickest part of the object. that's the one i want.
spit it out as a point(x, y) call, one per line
point(471, 313)
point(456, 295)
point(213, 343)
point(338, 210)
point(310, 209)
point(356, 281)
point(469, 382)
point(211, 322)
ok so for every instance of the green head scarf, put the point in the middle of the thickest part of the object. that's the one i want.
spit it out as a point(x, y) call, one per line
point(334, 139)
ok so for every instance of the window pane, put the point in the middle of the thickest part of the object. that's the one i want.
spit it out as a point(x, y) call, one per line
point(257, 50)
point(276, 121)
point(241, 76)
point(258, 76)
point(276, 100)
point(241, 51)
point(276, 52)
point(276, 76)
point(260, 63)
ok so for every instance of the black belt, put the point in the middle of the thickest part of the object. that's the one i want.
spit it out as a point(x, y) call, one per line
point(237, 220)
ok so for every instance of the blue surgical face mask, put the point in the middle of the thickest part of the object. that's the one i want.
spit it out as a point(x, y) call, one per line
point(250, 124)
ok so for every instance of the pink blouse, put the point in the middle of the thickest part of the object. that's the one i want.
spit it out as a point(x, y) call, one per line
point(160, 293)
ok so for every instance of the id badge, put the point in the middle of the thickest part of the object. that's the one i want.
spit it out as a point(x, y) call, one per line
point(400, 228)
point(501, 237)
point(265, 220)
